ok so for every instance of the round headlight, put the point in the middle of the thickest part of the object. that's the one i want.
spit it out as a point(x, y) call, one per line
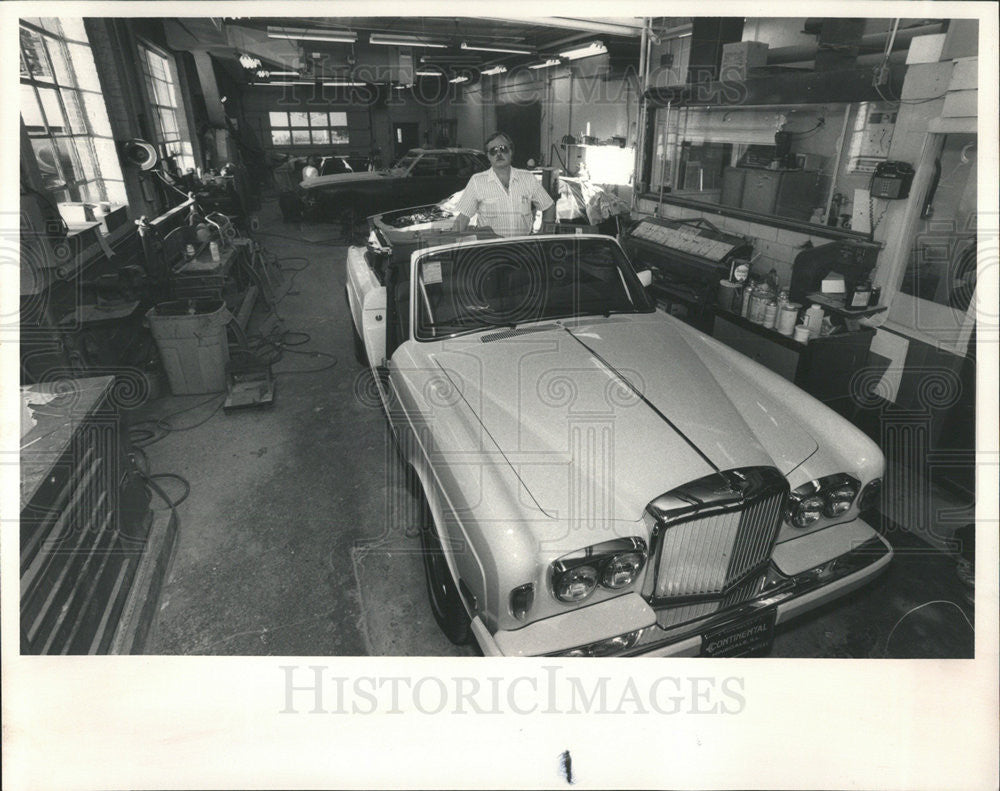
point(808, 511)
point(575, 584)
point(839, 499)
point(621, 570)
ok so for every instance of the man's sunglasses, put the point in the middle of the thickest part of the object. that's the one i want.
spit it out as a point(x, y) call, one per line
point(501, 149)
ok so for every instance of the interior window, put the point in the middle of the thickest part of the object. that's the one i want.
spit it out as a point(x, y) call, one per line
point(941, 267)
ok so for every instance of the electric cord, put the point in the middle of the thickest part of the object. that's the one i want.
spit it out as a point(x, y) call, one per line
point(888, 639)
point(171, 504)
point(146, 437)
point(891, 100)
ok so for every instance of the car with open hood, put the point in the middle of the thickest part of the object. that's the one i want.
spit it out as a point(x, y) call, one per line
point(597, 477)
point(420, 175)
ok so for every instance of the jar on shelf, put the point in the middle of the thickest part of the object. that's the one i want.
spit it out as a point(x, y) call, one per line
point(771, 314)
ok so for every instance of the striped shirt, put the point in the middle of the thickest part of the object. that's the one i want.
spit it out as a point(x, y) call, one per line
point(508, 211)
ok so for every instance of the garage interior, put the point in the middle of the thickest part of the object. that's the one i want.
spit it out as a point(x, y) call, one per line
point(252, 502)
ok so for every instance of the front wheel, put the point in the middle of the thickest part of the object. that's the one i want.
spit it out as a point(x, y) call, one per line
point(445, 600)
point(359, 347)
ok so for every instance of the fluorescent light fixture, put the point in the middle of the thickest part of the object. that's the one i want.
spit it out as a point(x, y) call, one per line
point(311, 34)
point(344, 84)
point(586, 51)
point(459, 78)
point(284, 74)
point(427, 73)
point(512, 50)
point(494, 70)
point(262, 74)
point(249, 61)
point(545, 64)
point(403, 41)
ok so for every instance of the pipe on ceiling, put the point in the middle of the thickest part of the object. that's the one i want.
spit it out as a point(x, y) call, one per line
point(807, 52)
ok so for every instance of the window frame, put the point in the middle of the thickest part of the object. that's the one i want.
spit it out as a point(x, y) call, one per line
point(184, 156)
point(83, 140)
point(309, 127)
point(938, 325)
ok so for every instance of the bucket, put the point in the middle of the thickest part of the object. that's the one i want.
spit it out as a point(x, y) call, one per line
point(191, 337)
point(726, 299)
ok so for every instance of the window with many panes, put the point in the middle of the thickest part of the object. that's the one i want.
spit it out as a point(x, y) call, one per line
point(62, 108)
point(308, 129)
point(161, 82)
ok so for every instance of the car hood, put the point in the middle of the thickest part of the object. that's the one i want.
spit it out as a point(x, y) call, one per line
point(598, 417)
point(344, 178)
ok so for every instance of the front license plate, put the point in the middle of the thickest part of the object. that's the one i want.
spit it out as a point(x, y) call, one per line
point(750, 636)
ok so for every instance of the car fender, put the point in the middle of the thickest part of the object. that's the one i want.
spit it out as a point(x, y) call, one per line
point(460, 550)
point(366, 298)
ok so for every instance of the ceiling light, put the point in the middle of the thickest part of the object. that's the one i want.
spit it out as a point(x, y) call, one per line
point(249, 61)
point(586, 51)
point(512, 50)
point(284, 74)
point(428, 73)
point(494, 70)
point(545, 64)
point(344, 84)
point(263, 74)
point(459, 78)
point(403, 41)
point(311, 34)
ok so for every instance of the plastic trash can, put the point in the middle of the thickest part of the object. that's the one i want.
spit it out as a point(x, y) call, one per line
point(191, 337)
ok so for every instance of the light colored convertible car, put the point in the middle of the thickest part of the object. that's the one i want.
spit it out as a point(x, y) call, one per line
point(599, 478)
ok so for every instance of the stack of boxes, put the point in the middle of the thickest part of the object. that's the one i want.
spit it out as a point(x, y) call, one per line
point(739, 58)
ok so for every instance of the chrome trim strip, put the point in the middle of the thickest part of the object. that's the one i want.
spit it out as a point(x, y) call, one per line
point(850, 563)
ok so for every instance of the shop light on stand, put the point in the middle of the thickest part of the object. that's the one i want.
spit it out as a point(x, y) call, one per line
point(311, 34)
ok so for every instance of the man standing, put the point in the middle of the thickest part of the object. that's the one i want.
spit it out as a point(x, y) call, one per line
point(311, 170)
point(504, 197)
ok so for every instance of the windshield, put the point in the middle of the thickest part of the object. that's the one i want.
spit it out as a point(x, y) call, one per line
point(468, 289)
point(405, 162)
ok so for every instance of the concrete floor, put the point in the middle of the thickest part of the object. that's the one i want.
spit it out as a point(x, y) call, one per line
point(290, 542)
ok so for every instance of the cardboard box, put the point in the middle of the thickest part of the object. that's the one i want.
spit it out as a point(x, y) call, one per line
point(833, 283)
point(926, 49)
point(965, 75)
point(739, 58)
point(960, 104)
point(750, 53)
point(76, 213)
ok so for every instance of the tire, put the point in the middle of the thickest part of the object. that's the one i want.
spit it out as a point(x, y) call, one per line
point(442, 594)
point(359, 347)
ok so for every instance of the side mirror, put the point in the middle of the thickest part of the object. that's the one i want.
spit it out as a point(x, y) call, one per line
point(646, 277)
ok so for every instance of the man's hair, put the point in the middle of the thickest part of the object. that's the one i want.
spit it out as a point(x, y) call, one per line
point(494, 136)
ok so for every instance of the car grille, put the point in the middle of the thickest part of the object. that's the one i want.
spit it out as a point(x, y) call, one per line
point(712, 534)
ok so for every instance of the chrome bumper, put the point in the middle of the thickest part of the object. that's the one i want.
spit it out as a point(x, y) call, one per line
point(791, 595)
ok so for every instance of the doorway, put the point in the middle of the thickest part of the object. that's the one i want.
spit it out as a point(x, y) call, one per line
point(523, 123)
point(404, 137)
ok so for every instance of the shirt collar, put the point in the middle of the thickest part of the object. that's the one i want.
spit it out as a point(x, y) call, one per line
point(493, 175)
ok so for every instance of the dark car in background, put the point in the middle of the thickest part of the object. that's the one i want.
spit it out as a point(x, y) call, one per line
point(419, 176)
